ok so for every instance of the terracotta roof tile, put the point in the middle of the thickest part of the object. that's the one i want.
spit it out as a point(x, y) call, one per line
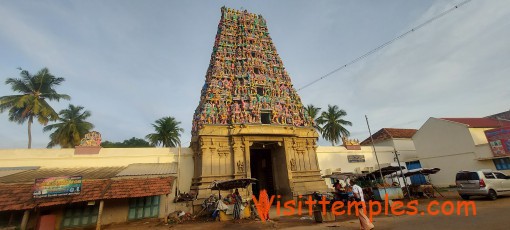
point(86, 173)
point(19, 196)
point(479, 122)
point(142, 169)
point(389, 133)
point(503, 115)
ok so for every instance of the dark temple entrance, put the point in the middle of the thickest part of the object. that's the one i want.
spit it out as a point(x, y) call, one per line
point(261, 165)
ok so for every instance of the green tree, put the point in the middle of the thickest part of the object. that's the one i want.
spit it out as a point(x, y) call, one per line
point(35, 91)
point(333, 124)
point(71, 128)
point(167, 132)
point(131, 143)
point(313, 112)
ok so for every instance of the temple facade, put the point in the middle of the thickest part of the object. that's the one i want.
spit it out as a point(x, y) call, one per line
point(250, 122)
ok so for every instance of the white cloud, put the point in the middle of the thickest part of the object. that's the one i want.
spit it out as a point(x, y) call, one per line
point(133, 63)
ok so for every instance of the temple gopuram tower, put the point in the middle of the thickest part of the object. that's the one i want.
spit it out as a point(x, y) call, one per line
point(250, 122)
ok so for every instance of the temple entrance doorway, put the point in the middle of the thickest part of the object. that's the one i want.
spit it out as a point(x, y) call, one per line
point(262, 169)
point(268, 165)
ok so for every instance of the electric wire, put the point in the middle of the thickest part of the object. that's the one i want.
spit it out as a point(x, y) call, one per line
point(386, 43)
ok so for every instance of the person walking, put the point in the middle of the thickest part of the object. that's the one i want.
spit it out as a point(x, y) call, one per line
point(358, 196)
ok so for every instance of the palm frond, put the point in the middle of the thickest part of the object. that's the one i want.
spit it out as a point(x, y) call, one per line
point(333, 124)
point(71, 129)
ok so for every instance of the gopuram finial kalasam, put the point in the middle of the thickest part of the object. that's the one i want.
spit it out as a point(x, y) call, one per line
point(246, 82)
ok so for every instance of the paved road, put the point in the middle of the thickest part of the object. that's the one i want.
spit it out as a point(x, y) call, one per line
point(490, 215)
point(493, 215)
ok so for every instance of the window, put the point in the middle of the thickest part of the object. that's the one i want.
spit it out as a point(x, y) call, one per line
point(500, 175)
point(265, 117)
point(502, 163)
point(80, 215)
point(143, 207)
point(11, 218)
point(467, 176)
point(489, 175)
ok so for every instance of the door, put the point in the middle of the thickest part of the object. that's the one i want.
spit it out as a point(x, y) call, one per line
point(262, 169)
point(46, 222)
point(504, 182)
point(419, 178)
point(467, 180)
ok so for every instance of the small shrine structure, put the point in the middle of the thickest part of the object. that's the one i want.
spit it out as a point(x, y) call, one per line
point(90, 144)
point(250, 121)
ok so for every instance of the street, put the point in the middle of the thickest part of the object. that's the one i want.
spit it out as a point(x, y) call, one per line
point(489, 215)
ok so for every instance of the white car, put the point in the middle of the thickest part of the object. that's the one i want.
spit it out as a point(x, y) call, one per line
point(482, 183)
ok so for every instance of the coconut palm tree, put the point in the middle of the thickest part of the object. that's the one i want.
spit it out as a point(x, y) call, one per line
point(333, 124)
point(31, 103)
point(167, 132)
point(313, 112)
point(71, 128)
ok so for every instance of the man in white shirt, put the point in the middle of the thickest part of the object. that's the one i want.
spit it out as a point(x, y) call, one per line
point(358, 194)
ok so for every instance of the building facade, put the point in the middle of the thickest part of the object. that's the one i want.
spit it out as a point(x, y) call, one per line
point(250, 122)
point(454, 144)
point(117, 185)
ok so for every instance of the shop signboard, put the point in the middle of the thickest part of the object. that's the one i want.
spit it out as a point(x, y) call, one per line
point(355, 158)
point(499, 141)
point(57, 186)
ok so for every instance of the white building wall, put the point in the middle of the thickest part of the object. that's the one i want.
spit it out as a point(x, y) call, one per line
point(442, 138)
point(404, 144)
point(451, 147)
point(336, 157)
point(451, 164)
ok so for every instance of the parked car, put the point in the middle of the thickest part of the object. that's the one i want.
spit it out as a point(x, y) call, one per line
point(482, 183)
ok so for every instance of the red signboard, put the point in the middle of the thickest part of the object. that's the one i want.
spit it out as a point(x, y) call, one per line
point(499, 140)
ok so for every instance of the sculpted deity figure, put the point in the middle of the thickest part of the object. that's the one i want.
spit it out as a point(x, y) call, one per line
point(240, 166)
point(293, 164)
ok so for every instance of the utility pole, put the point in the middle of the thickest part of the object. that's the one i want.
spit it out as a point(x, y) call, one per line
point(376, 158)
point(177, 190)
point(402, 173)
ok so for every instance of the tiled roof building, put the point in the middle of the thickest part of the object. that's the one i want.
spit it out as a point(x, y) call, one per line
point(389, 133)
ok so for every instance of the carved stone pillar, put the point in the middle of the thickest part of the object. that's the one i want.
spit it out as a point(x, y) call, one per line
point(246, 151)
point(215, 160)
point(206, 161)
point(197, 159)
point(239, 165)
point(312, 155)
point(291, 160)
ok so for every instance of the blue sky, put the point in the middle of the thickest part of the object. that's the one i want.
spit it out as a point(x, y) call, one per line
point(132, 62)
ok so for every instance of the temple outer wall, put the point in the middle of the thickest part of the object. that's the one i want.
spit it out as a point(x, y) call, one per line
point(107, 157)
point(336, 157)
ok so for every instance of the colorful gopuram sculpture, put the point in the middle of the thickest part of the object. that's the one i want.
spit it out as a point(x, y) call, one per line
point(250, 121)
point(246, 78)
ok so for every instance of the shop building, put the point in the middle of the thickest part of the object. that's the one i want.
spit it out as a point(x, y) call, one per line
point(114, 187)
point(454, 144)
